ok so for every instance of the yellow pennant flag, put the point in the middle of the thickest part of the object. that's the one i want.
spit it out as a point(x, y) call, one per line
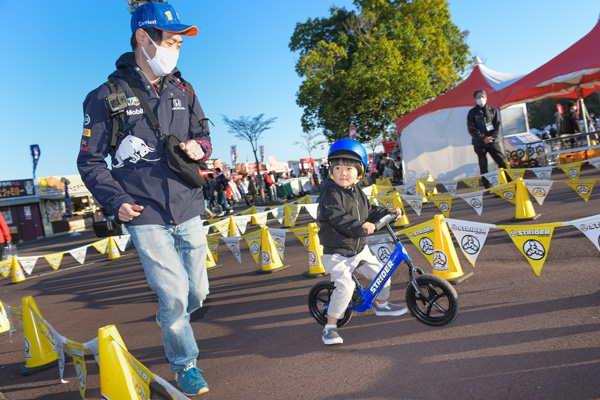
point(383, 181)
point(429, 188)
point(507, 191)
point(583, 188)
point(5, 267)
point(77, 352)
point(473, 182)
point(254, 241)
point(444, 203)
point(101, 246)
point(291, 214)
point(54, 259)
point(533, 241)
point(515, 173)
point(222, 226)
point(571, 169)
point(213, 245)
point(302, 235)
point(422, 236)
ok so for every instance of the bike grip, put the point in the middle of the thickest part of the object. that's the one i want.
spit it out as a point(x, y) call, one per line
point(386, 219)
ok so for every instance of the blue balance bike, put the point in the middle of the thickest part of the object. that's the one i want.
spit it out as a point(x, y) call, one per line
point(430, 298)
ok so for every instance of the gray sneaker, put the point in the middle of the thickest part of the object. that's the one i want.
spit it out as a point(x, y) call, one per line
point(331, 336)
point(390, 309)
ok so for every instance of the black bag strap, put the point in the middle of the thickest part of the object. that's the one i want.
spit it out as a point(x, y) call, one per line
point(138, 93)
point(118, 118)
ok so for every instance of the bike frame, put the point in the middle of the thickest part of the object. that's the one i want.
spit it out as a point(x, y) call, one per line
point(399, 254)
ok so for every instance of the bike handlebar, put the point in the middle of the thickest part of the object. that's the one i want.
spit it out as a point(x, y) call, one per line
point(386, 219)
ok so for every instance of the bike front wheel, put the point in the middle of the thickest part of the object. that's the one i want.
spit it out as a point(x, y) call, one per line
point(318, 303)
point(437, 306)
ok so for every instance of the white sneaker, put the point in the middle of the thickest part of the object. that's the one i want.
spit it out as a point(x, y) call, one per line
point(331, 336)
point(390, 310)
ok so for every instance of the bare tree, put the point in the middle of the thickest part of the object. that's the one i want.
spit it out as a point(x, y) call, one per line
point(250, 129)
point(309, 142)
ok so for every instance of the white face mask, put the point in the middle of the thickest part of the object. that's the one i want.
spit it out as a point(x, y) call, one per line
point(164, 61)
point(480, 102)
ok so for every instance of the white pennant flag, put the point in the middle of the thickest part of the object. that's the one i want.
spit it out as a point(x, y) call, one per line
point(313, 198)
point(595, 162)
point(368, 190)
point(233, 244)
point(415, 201)
point(539, 189)
point(474, 199)
point(492, 177)
point(79, 254)
point(242, 222)
point(207, 229)
point(261, 209)
point(279, 213)
point(470, 236)
point(93, 346)
point(312, 209)
point(121, 241)
point(28, 263)
point(58, 346)
point(382, 246)
point(542, 173)
point(411, 190)
point(590, 227)
point(279, 239)
point(450, 187)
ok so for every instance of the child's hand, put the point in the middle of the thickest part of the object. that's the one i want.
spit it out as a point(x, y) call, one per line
point(399, 212)
point(369, 227)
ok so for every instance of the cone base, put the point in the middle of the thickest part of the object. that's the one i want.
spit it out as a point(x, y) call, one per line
point(314, 275)
point(270, 271)
point(25, 370)
point(461, 278)
point(214, 266)
point(515, 219)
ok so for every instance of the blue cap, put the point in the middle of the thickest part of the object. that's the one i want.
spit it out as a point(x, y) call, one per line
point(160, 16)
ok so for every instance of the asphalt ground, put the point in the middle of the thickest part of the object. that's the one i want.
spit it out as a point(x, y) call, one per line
point(518, 336)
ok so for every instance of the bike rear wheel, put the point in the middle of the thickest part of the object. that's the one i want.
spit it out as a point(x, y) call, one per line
point(438, 306)
point(318, 303)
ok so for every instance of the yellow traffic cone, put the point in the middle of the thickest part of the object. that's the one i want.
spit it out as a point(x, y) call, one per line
point(524, 208)
point(233, 228)
point(4, 321)
point(502, 177)
point(39, 352)
point(315, 251)
point(17, 272)
point(445, 260)
point(211, 263)
point(271, 262)
point(119, 379)
point(113, 249)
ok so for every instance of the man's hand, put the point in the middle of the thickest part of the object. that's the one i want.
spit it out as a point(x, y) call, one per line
point(128, 211)
point(192, 149)
point(398, 212)
point(488, 139)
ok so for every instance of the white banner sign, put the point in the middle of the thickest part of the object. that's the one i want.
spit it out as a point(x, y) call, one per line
point(542, 173)
point(27, 263)
point(233, 244)
point(279, 239)
point(415, 201)
point(590, 227)
point(539, 189)
point(382, 246)
point(474, 199)
point(450, 187)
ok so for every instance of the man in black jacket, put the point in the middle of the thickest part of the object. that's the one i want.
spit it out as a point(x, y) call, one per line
point(483, 123)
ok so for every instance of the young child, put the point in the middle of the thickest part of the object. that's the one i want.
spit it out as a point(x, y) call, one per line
point(346, 216)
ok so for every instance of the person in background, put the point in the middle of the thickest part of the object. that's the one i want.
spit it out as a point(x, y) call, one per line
point(222, 184)
point(483, 124)
point(5, 236)
point(251, 188)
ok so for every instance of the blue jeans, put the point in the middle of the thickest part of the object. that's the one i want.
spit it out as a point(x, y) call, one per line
point(174, 260)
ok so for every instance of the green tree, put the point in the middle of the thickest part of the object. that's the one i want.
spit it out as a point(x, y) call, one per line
point(371, 67)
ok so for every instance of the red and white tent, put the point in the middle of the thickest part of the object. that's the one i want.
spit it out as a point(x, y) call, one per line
point(434, 137)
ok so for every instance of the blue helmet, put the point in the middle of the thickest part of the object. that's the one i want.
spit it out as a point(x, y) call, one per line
point(349, 148)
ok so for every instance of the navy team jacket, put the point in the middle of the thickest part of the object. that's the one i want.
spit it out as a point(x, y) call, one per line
point(138, 172)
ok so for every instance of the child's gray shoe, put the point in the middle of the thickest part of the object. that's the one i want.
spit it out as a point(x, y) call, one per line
point(389, 309)
point(331, 336)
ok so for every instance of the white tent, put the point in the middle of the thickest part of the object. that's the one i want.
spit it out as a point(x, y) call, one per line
point(434, 137)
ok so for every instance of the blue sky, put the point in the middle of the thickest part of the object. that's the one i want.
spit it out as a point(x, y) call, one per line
point(239, 64)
